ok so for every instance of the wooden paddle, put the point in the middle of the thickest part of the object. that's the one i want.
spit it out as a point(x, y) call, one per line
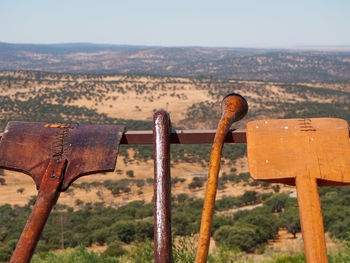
point(306, 153)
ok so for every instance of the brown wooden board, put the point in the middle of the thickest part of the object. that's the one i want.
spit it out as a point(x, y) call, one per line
point(279, 150)
point(306, 153)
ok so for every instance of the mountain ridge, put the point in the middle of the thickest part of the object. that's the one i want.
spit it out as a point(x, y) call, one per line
point(286, 65)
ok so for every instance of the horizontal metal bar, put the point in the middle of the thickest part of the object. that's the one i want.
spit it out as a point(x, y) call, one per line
point(182, 137)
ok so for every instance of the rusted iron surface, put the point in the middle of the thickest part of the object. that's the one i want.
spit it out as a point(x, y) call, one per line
point(48, 194)
point(162, 186)
point(28, 147)
point(55, 155)
point(234, 107)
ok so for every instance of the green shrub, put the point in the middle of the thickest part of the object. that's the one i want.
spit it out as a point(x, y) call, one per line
point(150, 180)
point(183, 224)
point(236, 237)
point(176, 180)
point(264, 223)
point(130, 173)
point(290, 220)
point(5, 253)
point(298, 258)
point(219, 221)
point(276, 188)
point(144, 230)
point(79, 255)
point(277, 202)
point(142, 252)
point(100, 236)
point(140, 183)
point(115, 249)
point(227, 203)
point(250, 197)
point(2, 181)
point(125, 231)
point(197, 182)
point(184, 250)
point(181, 198)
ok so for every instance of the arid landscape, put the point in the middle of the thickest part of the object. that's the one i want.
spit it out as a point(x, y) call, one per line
point(46, 94)
point(85, 86)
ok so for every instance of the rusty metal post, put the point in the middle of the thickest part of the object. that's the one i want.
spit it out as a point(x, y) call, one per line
point(47, 197)
point(162, 188)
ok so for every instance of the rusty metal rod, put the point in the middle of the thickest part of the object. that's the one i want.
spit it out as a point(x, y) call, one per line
point(234, 107)
point(47, 197)
point(162, 188)
point(182, 137)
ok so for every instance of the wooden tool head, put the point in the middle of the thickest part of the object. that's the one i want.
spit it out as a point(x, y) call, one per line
point(234, 107)
point(28, 147)
point(280, 150)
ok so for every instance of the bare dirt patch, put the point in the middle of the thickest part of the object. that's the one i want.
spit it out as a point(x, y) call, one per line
point(286, 243)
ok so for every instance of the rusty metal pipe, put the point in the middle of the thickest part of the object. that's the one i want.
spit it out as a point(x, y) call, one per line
point(162, 188)
point(234, 107)
point(48, 194)
point(183, 137)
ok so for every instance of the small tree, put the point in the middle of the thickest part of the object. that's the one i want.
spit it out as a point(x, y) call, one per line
point(236, 237)
point(249, 197)
point(2, 181)
point(130, 173)
point(277, 203)
point(197, 182)
point(276, 188)
point(290, 220)
point(115, 249)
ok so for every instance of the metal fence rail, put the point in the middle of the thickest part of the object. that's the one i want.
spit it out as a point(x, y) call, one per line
point(183, 137)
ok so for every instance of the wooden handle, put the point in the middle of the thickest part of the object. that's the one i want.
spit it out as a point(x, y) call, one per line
point(311, 219)
point(162, 188)
point(47, 197)
point(234, 108)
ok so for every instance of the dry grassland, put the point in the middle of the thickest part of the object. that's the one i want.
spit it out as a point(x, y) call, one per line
point(141, 96)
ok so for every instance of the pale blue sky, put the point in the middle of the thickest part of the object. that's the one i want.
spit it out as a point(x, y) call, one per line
point(230, 23)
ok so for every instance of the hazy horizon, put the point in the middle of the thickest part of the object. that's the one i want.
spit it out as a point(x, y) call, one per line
point(301, 47)
point(225, 23)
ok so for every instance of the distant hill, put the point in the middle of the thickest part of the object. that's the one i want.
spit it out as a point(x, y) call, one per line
point(227, 63)
point(65, 48)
